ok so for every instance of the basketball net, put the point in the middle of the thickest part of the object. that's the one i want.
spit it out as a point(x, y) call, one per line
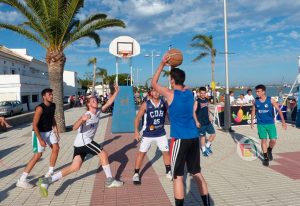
point(125, 56)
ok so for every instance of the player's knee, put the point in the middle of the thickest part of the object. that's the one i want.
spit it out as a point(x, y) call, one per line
point(55, 148)
point(75, 168)
point(37, 156)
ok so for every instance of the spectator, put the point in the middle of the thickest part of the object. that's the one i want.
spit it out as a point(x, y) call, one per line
point(217, 95)
point(4, 123)
point(249, 97)
point(294, 110)
point(241, 100)
point(231, 96)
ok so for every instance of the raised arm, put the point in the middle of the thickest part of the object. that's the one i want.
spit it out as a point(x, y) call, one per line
point(166, 92)
point(137, 121)
point(111, 99)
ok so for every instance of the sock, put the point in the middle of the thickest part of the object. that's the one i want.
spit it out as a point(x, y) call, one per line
point(203, 149)
point(51, 170)
point(270, 149)
point(107, 170)
point(24, 176)
point(136, 171)
point(266, 155)
point(168, 168)
point(205, 199)
point(179, 202)
point(56, 176)
point(208, 144)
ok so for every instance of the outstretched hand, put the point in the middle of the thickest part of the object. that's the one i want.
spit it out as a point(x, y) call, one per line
point(117, 88)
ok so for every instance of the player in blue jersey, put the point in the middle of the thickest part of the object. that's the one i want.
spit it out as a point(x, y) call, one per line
point(201, 117)
point(184, 132)
point(154, 112)
point(263, 107)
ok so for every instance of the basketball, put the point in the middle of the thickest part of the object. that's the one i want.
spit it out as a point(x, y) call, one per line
point(174, 57)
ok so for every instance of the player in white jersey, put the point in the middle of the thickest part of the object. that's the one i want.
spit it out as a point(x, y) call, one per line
point(87, 126)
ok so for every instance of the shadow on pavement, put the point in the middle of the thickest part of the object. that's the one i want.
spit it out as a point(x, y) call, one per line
point(156, 157)
point(7, 151)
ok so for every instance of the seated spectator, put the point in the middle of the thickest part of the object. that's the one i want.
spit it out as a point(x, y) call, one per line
point(4, 123)
point(241, 100)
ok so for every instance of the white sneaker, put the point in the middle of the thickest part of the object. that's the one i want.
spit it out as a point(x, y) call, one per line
point(136, 179)
point(49, 174)
point(169, 176)
point(111, 182)
point(24, 184)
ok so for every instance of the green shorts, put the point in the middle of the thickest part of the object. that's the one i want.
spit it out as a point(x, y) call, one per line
point(265, 130)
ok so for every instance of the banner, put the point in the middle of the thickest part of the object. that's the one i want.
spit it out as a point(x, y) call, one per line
point(240, 115)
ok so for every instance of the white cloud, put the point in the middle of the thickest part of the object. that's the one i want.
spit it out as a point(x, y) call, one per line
point(294, 35)
point(10, 17)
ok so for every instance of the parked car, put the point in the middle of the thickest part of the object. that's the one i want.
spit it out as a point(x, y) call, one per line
point(10, 108)
point(66, 99)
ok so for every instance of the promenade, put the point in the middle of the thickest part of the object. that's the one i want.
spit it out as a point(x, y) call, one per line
point(231, 180)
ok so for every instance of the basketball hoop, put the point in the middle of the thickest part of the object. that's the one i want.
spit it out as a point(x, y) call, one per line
point(125, 55)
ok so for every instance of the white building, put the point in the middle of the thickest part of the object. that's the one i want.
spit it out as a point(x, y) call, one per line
point(71, 84)
point(22, 77)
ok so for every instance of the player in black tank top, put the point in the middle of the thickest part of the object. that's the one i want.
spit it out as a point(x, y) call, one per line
point(44, 128)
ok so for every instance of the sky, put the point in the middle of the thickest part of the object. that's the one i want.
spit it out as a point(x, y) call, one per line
point(263, 38)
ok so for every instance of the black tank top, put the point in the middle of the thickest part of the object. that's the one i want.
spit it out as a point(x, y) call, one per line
point(46, 120)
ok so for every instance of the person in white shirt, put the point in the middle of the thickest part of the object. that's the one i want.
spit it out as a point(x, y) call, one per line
point(249, 97)
point(241, 100)
point(231, 96)
point(84, 144)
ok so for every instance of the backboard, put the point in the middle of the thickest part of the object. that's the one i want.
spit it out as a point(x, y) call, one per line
point(124, 46)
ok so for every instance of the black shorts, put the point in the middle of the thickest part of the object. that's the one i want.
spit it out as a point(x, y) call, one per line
point(92, 148)
point(185, 151)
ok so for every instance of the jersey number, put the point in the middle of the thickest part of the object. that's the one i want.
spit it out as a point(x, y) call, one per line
point(156, 121)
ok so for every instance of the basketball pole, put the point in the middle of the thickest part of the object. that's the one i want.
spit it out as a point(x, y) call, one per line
point(130, 71)
point(117, 71)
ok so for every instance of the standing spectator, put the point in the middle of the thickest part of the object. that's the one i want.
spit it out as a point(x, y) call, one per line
point(231, 96)
point(249, 97)
point(218, 95)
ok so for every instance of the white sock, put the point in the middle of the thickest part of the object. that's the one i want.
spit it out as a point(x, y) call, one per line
point(203, 149)
point(208, 143)
point(51, 170)
point(24, 176)
point(56, 176)
point(107, 170)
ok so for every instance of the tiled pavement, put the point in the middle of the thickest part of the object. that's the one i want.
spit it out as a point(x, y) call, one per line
point(231, 180)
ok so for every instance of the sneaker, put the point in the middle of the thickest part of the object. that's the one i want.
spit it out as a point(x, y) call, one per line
point(270, 155)
point(266, 162)
point(49, 174)
point(111, 182)
point(43, 184)
point(208, 149)
point(205, 153)
point(24, 184)
point(136, 179)
point(169, 176)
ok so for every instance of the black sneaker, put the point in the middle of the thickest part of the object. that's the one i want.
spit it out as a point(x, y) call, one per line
point(265, 162)
point(270, 155)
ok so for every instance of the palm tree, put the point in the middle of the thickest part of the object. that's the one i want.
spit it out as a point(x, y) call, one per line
point(54, 26)
point(166, 73)
point(94, 62)
point(102, 73)
point(206, 45)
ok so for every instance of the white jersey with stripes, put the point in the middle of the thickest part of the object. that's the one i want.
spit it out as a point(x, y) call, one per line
point(87, 130)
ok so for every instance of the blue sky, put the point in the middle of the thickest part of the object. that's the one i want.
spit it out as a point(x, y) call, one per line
point(263, 35)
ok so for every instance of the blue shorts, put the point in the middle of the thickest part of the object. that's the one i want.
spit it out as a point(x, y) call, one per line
point(209, 129)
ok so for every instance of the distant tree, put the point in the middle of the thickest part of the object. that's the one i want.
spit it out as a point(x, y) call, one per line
point(122, 79)
point(206, 46)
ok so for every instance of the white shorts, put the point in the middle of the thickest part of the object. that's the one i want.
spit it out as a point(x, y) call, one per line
point(49, 137)
point(161, 142)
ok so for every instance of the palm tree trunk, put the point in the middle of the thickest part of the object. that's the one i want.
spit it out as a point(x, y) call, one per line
point(56, 62)
point(94, 78)
point(213, 77)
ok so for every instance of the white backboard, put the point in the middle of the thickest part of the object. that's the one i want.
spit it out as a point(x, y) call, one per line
point(124, 43)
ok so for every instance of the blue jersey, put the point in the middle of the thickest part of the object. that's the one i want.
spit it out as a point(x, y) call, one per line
point(202, 111)
point(154, 119)
point(181, 111)
point(264, 111)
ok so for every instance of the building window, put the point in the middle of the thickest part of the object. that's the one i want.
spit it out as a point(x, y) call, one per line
point(35, 98)
point(4, 62)
point(12, 71)
point(24, 66)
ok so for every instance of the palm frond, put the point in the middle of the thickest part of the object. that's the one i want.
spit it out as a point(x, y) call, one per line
point(24, 32)
point(92, 60)
point(166, 73)
point(200, 56)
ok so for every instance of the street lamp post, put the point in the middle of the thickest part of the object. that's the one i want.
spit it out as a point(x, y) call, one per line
point(152, 59)
point(227, 116)
point(137, 76)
